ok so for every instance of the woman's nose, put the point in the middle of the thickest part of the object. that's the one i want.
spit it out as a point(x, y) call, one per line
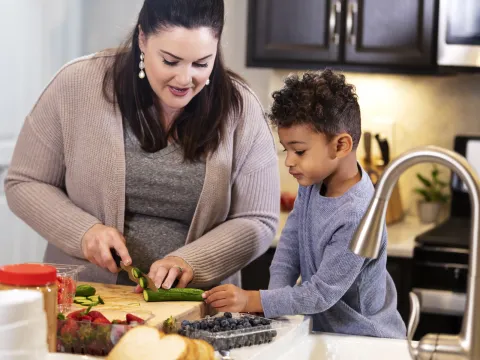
point(184, 76)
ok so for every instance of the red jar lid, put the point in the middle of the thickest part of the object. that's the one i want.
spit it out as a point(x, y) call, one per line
point(28, 274)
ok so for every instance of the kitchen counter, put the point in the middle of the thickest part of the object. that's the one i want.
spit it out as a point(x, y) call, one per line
point(122, 298)
point(401, 235)
point(297, 342)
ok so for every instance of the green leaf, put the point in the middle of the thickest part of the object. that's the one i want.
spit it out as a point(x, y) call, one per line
point(425, 182)
point(435, 173)
point(441, 183)
point(424, 193)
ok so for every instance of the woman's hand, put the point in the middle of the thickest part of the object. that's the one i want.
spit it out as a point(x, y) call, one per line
point(231, 298)
point(96, 245)
point(164, 272)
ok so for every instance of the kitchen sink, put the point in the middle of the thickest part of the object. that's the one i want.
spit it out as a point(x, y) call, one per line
point(338, 347)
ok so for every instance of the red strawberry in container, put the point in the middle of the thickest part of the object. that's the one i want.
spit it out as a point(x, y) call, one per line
point(68, 332)
point(76, 315)
point(134, 319)
point(98, 315)
point(96, 348)
point(85, 334)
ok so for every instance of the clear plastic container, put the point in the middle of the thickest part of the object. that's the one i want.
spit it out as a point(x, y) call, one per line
point(87, 338)
point(67, 278)
point(259, 331)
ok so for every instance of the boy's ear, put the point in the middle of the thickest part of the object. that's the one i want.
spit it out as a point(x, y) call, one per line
point(344, 145)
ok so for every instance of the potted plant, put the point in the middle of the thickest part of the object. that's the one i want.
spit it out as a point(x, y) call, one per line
point(433, 196)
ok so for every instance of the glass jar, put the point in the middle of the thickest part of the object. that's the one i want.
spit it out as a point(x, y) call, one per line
point(38, 277)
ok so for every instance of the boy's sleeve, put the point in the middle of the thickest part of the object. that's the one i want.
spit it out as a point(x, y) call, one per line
point(285, 267)
point(335, 275)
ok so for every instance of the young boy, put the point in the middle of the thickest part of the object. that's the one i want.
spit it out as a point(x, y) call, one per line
point(318, 121)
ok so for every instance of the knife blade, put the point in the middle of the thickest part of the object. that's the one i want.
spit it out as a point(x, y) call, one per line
point(130, 271)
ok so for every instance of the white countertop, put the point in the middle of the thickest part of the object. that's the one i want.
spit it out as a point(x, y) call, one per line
point(297, 342)
point(401, 235)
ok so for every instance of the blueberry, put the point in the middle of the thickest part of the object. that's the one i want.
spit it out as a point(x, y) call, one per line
point(228, 315)
point(185, 323)
point(224, 323)
point(216, 328)
point(256, 322)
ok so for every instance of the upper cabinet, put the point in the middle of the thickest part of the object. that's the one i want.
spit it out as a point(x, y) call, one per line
point(343, 33)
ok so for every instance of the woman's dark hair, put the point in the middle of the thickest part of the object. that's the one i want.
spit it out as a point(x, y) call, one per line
point(323, 100)
point(200, 126)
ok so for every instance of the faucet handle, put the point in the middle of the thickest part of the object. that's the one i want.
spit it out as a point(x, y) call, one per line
point(413, 324)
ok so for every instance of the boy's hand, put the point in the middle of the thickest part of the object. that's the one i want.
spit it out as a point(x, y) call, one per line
point(232, 298)
point(227, 298)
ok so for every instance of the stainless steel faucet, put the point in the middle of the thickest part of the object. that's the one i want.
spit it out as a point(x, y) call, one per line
point(367, 239)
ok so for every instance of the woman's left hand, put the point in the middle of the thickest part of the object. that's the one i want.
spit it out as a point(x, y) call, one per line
point(164, 272)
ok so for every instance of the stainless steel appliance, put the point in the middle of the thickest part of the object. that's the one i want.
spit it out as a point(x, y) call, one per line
point(459, 33)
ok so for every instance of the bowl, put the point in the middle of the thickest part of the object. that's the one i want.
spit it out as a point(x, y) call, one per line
point(97, 339)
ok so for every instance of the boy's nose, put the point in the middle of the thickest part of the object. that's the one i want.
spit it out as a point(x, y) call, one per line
point(289, 162)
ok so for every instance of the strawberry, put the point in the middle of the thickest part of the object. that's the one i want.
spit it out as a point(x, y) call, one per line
point(96, 348)
point(101, 321)
point(68, 332)
point(76, 315)
point(119, 322)
point(132, 318)
point(86, 318)
point(96, 315)
point(70, 285)
point(85, 333)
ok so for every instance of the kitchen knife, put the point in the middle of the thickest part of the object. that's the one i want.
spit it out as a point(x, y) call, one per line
point(384, 149)
point(367, 146)
point(132, 271)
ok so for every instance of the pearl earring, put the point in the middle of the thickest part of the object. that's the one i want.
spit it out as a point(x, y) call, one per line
point(141, 65)
point(207, 82)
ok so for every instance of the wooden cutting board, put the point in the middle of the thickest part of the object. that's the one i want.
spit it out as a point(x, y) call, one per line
point(122, 299)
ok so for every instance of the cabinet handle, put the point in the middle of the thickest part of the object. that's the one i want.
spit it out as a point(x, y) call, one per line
point(335, 11)
point(352, 11)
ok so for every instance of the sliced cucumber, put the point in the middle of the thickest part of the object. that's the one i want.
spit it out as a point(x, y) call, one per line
point(143, 282)
point(136, 273)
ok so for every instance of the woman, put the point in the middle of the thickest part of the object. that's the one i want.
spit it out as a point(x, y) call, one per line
point(155, 151)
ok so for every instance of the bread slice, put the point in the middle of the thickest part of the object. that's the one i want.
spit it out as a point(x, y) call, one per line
point(205, 350)
point(146, 343)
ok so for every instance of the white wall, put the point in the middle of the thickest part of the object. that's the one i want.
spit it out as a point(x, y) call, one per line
point(38, 37)
point(106, 23)
point(234, 44)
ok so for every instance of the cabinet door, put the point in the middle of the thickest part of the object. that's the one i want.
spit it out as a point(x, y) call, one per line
point(396, 32)
point(400, 269)
point(293, 31)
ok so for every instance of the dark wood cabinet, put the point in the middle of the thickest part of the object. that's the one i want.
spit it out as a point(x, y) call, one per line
point(389, 32)
point(342, 33)
point(286, 31)
point(400, 269)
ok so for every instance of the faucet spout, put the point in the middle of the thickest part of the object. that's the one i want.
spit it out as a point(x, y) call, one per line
point(367, 240)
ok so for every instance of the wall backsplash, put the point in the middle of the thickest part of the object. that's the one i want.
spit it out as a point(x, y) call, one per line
point(410, 111)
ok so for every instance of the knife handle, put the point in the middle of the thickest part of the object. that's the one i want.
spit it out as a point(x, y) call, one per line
point(116, 257)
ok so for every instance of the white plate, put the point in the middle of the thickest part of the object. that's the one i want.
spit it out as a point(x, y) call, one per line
point(61, 356)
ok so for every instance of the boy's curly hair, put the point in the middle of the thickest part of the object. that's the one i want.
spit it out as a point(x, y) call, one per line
point(323, 100)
